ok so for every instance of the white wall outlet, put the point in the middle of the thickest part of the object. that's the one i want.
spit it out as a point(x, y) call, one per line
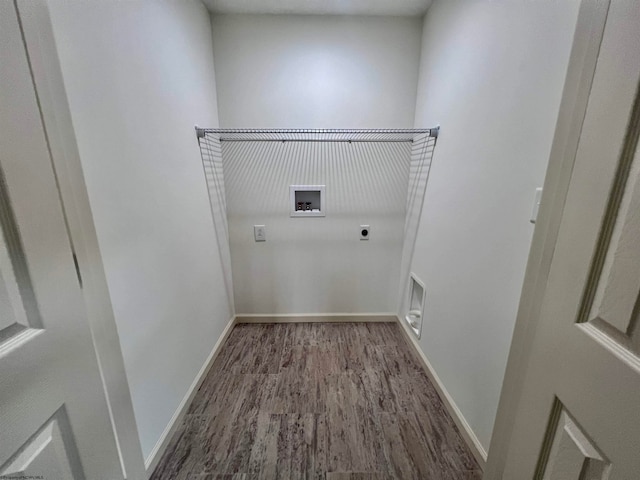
point(365, 232)
point(260, 233)
point(536, 205)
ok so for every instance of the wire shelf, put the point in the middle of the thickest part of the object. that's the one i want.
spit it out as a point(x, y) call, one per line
point(317, 135)
point(386, 146)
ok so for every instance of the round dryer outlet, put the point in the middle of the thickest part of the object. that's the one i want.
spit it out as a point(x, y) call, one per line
point(365, 232)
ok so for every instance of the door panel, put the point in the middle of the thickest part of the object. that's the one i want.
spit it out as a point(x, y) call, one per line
point(54, 415)
point(50, 453)
point(614, 290)
point(578, 415)
point(572, 456)
point(12, 312)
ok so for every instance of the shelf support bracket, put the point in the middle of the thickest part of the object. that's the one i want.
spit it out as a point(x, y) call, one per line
point(200, 132)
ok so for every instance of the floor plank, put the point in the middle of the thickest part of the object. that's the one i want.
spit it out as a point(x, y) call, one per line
point(330, 401)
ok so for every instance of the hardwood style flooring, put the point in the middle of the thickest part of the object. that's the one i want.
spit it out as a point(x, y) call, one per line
point(331, 401)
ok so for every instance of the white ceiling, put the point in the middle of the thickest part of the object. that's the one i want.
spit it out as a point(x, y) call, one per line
point(321, 7)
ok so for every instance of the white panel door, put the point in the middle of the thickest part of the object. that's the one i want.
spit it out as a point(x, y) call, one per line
point(54, 419)
point(579, 414)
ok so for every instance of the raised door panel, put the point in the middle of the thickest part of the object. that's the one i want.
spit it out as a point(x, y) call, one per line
point(12, 312)
point(572, 456)
point(616, 271)
point(49, 453)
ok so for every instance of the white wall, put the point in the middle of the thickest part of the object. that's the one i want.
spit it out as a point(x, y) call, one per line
point(283, 71)
point(277, 71)
point(491, 74)
point(316, 265)
point(139, 75)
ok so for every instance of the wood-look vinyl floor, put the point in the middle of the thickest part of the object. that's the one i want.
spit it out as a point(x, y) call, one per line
point(331, 401)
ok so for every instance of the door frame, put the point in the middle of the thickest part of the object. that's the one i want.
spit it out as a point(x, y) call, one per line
point(575, 98)
point(50, 91)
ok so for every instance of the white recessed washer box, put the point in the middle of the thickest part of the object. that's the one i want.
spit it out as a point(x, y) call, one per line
point(306, 200)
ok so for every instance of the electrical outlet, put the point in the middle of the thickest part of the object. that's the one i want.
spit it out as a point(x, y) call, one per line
point(260, 233)
point(365, 232)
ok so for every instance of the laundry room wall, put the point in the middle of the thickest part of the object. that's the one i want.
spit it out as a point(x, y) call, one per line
point(287, 71)
point(491, 75)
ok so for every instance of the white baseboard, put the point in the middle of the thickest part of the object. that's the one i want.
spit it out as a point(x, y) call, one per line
point(315, 317)
point(152, 460)
point(467, 433)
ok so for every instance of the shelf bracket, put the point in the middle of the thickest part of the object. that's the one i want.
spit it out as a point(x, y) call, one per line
point(200, 132)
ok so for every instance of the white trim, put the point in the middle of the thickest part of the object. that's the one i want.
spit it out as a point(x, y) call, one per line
point(467, 432)
point(151, 462)
point(315, 317)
